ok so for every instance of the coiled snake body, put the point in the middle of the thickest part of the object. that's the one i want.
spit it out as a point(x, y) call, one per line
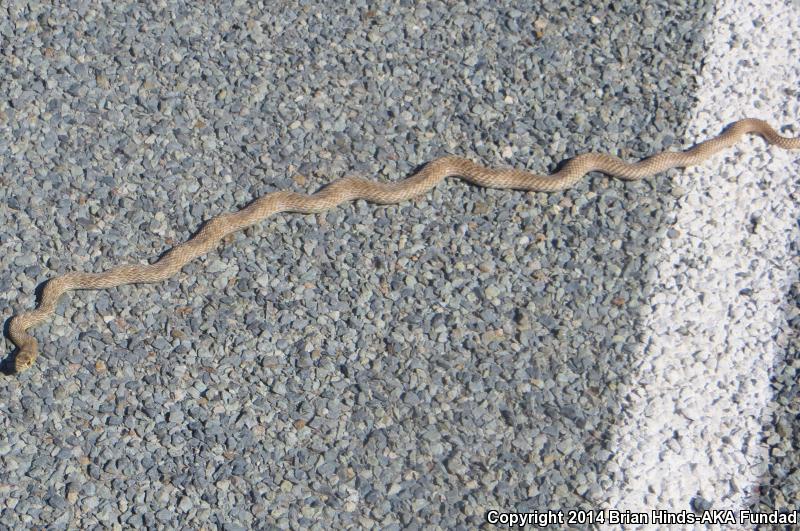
point(351, 188)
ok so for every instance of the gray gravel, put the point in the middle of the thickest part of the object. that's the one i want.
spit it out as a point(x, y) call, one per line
point(403, 366)
point(701, 409)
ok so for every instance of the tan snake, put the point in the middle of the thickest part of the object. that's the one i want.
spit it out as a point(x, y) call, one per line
point(351, 188)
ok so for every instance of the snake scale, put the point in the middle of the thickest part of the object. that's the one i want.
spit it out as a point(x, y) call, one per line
point(352, 188)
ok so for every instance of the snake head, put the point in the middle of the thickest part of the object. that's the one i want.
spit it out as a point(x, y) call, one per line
point(26, 356)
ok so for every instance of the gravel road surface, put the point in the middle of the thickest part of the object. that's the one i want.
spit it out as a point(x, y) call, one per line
point(618, 345)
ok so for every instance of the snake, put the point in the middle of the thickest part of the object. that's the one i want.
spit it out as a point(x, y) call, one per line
point(351, 188)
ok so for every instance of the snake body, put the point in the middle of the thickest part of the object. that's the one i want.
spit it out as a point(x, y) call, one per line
point(352, 188)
